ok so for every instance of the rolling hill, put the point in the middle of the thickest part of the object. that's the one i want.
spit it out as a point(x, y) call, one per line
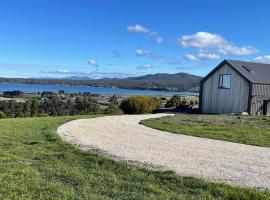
point(162, 81)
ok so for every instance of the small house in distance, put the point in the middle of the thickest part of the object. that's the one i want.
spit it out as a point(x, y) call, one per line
point(236, 87)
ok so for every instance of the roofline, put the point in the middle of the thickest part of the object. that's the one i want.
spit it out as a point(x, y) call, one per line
point(220, 65)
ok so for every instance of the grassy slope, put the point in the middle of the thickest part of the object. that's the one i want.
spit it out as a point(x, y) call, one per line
point(253, 130)
point(36, 164)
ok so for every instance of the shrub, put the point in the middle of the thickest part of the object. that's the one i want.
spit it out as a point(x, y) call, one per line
point(13, 94)
point(174, 102)
point(113, 100)
point(184, 101)
point(2, 115)
point(113, 110)
point(140, 104)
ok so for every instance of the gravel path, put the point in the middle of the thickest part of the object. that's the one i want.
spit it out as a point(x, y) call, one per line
point(123, 138)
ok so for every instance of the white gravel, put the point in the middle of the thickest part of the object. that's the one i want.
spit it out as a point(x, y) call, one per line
point(123, 138)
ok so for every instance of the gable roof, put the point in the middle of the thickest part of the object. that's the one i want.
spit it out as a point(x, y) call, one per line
point(252, 72)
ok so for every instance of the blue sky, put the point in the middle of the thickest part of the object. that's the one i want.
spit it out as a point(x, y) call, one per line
point(119, 38)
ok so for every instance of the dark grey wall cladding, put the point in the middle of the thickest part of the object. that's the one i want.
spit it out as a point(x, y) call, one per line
point(261, 90)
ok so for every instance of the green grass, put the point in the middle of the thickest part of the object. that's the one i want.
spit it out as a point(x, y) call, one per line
point(253, 130)
point(36, 164)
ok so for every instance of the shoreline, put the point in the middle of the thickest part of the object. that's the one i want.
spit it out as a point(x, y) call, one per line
point(74, 89)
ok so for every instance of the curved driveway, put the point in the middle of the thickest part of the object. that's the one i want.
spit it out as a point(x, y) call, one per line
point(123, 138)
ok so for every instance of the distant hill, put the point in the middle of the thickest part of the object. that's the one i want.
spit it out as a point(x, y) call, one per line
point(162, 81)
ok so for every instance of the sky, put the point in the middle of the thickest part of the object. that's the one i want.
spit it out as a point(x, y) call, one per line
point(122, 38)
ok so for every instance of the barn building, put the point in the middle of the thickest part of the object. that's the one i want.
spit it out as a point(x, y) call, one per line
point(236, 87)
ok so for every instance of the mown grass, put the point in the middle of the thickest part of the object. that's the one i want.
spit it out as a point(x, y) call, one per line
point(36, 164)
point(252, 130)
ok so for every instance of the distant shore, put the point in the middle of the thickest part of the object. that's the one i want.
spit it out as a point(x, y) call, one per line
point(34, 88)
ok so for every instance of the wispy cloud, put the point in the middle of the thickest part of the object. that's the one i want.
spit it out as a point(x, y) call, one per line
point(92, 62)
point(147, 54)
point(141, 29)
point(138, 28)
point(140, 52)
point(144, 66)
point(202, 56)
point(211, 46)
point(263, 59)
point(91, 74)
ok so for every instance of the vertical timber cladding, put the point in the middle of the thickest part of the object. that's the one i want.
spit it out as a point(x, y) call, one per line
point(218, 101)
point(260, 92)
point(268, 108)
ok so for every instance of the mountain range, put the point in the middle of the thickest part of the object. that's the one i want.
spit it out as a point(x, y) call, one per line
point(161, 81)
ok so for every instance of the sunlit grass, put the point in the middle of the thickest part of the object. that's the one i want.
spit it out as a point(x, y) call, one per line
point(253, 130)
point(36, 164)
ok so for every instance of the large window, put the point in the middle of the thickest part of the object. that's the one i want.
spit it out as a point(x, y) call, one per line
point(225, 81)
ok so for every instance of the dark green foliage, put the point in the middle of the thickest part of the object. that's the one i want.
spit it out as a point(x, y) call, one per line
point(50, 104)
point(253, 130)
point(174, 102)
point(184, 101)
point(113, 110)
point(13, 94)
point(35, 164)
point(113, 100)
point(61, 92)
point(140, 104)
point(2, 115)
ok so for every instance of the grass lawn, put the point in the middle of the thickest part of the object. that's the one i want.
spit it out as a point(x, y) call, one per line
point(36, 164)
point(253, 130)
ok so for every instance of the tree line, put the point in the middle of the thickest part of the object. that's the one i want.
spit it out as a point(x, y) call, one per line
point(50, 104)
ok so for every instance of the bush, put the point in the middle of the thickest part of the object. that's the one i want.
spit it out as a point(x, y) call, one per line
point(174, 102)
point(140, 104)
point(13, 94)
point(113, 110)
point(2, 115)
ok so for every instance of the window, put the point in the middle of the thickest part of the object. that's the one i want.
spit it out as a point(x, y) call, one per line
point(225, 81)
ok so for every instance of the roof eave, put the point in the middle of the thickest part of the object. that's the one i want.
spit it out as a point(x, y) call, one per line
point(231, 65)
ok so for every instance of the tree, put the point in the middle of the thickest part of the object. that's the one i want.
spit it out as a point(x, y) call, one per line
point(113, 100)
point(174, 102)
point(34, 107)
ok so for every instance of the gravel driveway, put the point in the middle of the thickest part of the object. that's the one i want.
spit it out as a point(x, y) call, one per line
point(123, 138)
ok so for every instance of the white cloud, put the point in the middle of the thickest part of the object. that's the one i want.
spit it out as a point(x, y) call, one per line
point(202, 56)
point(138, 28)
point(140, 52)
point(144, 66)
point(263, 59)
point(202, 40)
point(192, 57)
point(64, 71)
point(205, 41)
point(147, 54)
point(141, 29)
point(208, 56)
point(159, 40)
point(92, 62)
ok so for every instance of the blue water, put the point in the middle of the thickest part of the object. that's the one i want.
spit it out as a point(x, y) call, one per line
point(32, 88)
